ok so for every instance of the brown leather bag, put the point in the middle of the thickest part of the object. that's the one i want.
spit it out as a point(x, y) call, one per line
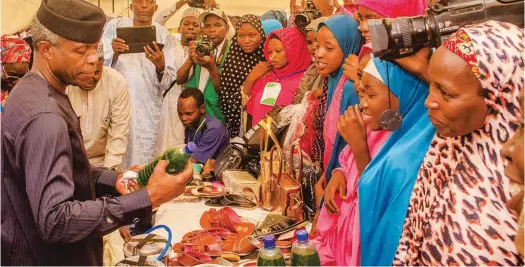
point(286, 189)
point(265, 176)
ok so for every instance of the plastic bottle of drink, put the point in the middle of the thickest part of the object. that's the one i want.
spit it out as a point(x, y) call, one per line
point(303, 252)
point(177, 158)
point(270, 255)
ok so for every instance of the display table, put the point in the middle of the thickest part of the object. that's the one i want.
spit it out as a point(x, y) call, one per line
point(181, 218)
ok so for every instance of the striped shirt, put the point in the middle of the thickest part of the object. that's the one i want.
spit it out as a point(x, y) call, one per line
point(55, 206)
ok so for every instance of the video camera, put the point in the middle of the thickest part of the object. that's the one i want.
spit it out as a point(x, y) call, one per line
point(306, 16)
point(396, 38)
point(204, 47)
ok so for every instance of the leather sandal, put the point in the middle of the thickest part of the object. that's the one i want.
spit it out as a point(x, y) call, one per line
point(276, 224)
point(218, 233)
point(231, 200)
point(192, 258)
point(203, 244)
point(239, 245)
point(226, 218)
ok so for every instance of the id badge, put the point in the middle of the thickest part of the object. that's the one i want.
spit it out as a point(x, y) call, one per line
point(271, 93)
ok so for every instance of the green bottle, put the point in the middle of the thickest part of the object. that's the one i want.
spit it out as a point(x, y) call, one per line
point(303, 252)
point(270, 255)
point(177, 158)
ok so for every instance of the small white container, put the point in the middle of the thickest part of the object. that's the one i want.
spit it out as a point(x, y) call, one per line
point(149, 245)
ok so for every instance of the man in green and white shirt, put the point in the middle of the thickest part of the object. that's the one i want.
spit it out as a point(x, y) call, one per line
point(207, 69)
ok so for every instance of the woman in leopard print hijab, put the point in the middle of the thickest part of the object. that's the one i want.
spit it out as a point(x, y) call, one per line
point(458, 213)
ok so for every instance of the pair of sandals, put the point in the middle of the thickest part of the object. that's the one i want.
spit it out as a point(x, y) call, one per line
point(224, 233)
point(226, 218)
point(202, 249)
point(231, 200)
point(276, 224)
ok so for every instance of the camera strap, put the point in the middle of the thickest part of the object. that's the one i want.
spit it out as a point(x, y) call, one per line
point(219, 57)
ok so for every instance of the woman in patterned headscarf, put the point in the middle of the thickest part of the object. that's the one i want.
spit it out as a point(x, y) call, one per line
point(458, 213)
point(15, 58)
point(246, 52)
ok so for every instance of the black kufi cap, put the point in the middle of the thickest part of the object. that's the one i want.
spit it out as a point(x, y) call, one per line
point(75, 20)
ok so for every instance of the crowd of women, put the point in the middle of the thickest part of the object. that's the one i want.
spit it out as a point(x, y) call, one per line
point(422, 156)
point(419, 159)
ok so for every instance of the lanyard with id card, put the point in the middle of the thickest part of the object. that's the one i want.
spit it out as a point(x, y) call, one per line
point(271, 93)
point(273, 89)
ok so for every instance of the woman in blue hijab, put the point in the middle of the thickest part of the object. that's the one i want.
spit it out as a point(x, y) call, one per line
point(271, 25)
point(340, 32)
point(393, 100)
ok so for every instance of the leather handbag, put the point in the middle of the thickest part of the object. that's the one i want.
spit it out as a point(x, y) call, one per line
point(265, 177)
point(231, 159)
point(309, 177)
point(242, 183)
point(286, 189)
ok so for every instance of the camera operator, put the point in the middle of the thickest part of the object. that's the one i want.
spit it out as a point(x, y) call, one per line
point(206, 60)
point(407, 39)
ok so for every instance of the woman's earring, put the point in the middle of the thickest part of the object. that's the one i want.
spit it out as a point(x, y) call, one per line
point(391, 120)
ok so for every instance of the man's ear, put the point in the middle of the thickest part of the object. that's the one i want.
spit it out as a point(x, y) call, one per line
point(203, 109)
point(156, 8)
point(44, 48)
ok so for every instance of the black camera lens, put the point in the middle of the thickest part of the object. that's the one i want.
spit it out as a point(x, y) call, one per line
point(393, 38)
point(203, 49)
point(303, 19)
point(412, 31)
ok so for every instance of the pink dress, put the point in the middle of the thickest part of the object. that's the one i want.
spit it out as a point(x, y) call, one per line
point(338, 237)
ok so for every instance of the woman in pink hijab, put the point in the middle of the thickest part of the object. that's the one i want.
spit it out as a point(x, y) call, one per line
point(287, 57)
point(337, 239)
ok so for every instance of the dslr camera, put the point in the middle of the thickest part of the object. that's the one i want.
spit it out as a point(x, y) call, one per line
point(204, 47)
point(196, 3)
point(306, 16)
point(396, 38)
